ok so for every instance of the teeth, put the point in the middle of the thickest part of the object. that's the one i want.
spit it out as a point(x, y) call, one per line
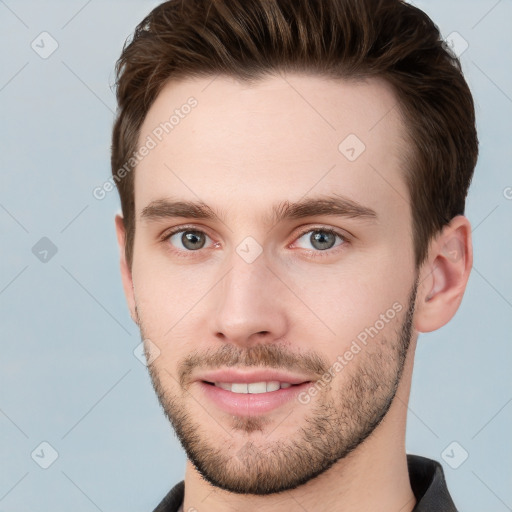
point(239, 388)
point(271, 386)
point(253, 387)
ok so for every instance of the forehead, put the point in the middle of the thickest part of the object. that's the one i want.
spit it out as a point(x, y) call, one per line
point(281, 138)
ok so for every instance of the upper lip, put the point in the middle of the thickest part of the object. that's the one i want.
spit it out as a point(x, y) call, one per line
point(239, 376)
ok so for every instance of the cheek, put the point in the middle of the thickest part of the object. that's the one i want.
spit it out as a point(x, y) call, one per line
point(167, 293)
point(345, 304)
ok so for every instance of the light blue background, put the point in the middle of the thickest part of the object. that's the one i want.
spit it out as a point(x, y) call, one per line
point(68, 375)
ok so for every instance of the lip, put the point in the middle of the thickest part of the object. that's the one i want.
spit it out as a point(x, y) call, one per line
point(250, 404)
point(247, 377)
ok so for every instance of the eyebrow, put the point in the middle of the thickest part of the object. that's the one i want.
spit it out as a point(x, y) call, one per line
point(333, 205)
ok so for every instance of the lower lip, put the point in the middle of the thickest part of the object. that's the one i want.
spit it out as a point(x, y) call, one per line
point(250, 404)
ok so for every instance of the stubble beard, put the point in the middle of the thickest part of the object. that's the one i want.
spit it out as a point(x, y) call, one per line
point(335, 425)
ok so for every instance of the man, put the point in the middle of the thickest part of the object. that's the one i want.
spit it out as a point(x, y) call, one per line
point(293, 177)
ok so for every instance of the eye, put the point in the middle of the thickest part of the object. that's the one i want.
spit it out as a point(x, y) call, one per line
point(322, 240)
point(186, 239)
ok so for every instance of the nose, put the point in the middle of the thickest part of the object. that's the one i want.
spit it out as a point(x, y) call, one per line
point(250, 304)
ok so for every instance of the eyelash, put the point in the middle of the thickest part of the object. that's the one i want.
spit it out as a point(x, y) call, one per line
point(316, 254)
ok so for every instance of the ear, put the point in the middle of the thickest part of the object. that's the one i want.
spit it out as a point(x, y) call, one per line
point(444, 275)
point(126, 273)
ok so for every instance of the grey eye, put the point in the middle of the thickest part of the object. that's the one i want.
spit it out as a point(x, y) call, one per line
point(321, 239)
point(190, 239)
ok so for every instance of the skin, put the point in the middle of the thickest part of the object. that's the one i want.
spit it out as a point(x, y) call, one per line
point(241, 150)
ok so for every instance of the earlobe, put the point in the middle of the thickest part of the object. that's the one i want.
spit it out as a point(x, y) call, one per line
point(444, 275)
point(126, 273)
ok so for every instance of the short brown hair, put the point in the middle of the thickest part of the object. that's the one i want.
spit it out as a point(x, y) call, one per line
point(352, 39)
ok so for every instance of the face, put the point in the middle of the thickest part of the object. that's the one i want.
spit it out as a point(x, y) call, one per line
point(299, 268)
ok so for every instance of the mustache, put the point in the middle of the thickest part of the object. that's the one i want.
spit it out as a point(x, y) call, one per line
point(263, 355)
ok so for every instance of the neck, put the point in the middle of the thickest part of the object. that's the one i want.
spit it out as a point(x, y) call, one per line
point(372, 477)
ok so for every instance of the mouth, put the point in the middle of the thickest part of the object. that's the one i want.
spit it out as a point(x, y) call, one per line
point(252, 398)
point(254, 388)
